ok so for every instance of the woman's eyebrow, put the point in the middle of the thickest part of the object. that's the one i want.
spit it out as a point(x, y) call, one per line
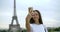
point(33, 11)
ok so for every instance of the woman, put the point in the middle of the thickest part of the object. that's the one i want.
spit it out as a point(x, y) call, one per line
point(34, 22)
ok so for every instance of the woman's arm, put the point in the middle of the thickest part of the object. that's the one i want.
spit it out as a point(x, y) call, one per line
point(28, 26)
point(28, 19)
point(28, 23)
point(45, 28)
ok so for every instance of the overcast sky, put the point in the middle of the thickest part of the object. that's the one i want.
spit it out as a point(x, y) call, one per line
point(49, 9)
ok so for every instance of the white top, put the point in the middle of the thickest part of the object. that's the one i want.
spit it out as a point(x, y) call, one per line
point(38, 28)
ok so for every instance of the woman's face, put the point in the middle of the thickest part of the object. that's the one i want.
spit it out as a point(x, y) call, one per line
point(35, 15)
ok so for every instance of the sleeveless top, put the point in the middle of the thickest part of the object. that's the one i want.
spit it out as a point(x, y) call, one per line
point(38, 28)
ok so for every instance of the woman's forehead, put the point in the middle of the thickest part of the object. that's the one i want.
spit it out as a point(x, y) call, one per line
point(35, 12)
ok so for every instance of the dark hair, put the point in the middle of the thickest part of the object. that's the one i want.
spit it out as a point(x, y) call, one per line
point(40, 19)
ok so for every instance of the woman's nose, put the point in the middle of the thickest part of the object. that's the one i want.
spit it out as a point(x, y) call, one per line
point(33, 14)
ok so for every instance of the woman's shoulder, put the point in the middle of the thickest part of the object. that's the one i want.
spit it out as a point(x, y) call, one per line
point(37, 25)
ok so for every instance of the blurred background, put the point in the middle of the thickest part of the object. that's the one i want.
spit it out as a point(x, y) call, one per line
point(49, 9)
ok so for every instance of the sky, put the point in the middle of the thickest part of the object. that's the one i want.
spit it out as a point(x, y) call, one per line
point(49, 9)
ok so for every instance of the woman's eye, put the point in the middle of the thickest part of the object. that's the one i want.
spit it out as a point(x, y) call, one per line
point(36, 14)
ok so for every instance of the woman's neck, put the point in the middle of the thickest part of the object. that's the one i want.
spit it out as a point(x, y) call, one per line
point(37, 21)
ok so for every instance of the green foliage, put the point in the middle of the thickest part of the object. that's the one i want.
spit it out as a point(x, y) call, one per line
point(18, 31)
point(24, 30)
point(3, 31)
point(57, 29)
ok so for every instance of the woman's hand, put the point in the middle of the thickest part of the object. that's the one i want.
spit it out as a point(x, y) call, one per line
point(28, 17)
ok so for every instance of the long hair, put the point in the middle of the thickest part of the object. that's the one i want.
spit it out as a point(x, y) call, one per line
point(40, 19)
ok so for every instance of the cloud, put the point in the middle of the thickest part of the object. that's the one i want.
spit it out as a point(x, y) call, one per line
point(49, 10)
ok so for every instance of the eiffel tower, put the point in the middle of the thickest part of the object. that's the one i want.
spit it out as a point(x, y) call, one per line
point(16, 27)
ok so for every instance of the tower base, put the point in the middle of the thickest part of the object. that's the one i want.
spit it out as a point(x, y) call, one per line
point(14, 28)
